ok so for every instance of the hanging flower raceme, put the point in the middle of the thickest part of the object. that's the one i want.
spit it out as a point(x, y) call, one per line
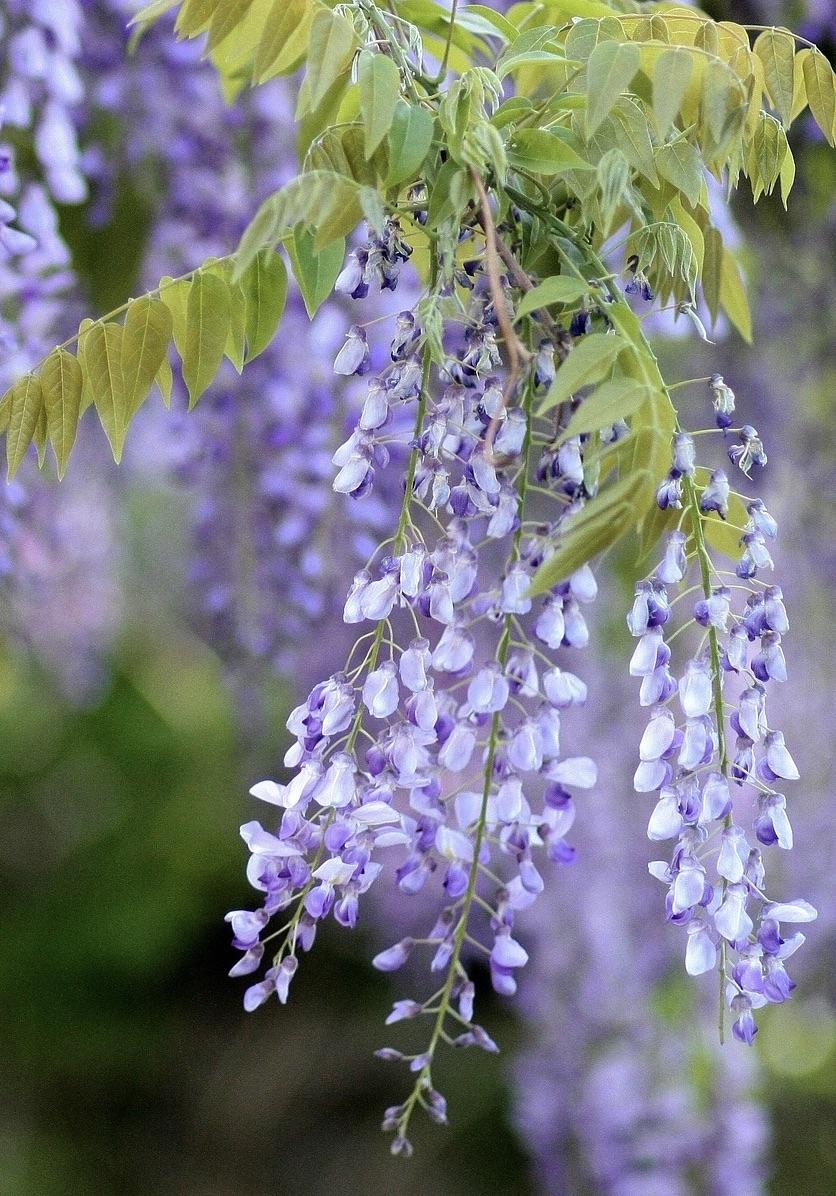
point(709, 751)
point(439, 743)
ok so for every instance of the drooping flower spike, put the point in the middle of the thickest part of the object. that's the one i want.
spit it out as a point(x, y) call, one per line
point(709, 751)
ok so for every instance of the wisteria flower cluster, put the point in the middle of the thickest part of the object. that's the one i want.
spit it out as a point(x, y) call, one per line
point(708, 748)
point(509, 423)
point(443, 740)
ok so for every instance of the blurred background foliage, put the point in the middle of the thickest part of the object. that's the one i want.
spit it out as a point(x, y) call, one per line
point(127, 1065)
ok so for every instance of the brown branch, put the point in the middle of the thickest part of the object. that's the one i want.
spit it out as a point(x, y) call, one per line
point(518, 354)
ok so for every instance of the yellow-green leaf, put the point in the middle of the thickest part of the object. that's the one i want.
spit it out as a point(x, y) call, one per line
point(820, 85)
point(103, 361)
point(62, 382)
point(605, 518)
point(410, 138)
point(264, 284)
point(589, 361)
point(611, 68)
point(284, 39)
point(147, 333)
point(560, 289)
point(776, 50)
point(733, 296)
point(609, 402)
point(671, 76)
point(194, 16)
point(544, 153)
point(380, 86)
point(680, 163)
point(207, 324)
point(330, 50)
point(315, 272)
point(25, 404)
point(228, 15)
point(712, 271)
point(165, 381)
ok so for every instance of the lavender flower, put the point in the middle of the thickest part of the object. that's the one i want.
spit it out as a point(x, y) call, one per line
point(716, 876)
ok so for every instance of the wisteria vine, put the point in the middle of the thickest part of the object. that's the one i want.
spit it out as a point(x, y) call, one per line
point(533, 179)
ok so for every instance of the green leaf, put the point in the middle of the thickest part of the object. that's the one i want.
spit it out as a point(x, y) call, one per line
point(62, 382)
point(634, 137)
point(712, 271)
point(559, 289)
point(330, 50)
point(613, 172)
point(588, 362)
point(380, 87)
point(264, 284)
point(820, 85)
point(320, 200)
point(41, 436)
point(284, 39)
point(608, 403)
point(207, 324)
point(776, 50)
point(315, 272)
point(87, 392)
point(147, 333)
point(543, 153)
point(152, 12)
point(733, 296)
point(165, 381)
point(585, 36)
point(103, 362)
point(604, 519)
point(410, 138)
point(611, 68)
point(228, 15)
point(25, 403)
point(671, 77)
point(680, 163)
point(194, 16)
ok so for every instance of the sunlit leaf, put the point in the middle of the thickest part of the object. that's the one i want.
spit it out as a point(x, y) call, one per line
point(103, 362)
point(147, 334)
point(264, 285)
point(609, 402)
point(380, 86)
point(671, 76)
point(62, 382)
point(25, 401)
point(609, 71)
point(776, 50)
point(410, 138)
point(820, 85)
point(207, 324)
point(544, 153)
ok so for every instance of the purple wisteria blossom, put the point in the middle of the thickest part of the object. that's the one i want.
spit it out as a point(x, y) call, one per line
point(441, 738)
point(716, 762)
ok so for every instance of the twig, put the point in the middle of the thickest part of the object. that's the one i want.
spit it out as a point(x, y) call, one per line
point(518, 354)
